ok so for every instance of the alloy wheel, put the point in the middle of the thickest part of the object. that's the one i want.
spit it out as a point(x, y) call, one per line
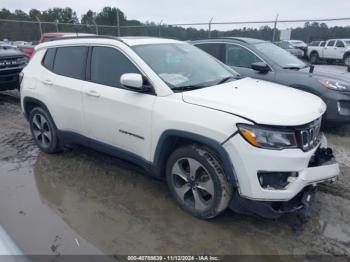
point(193, 184)
point(41, 130)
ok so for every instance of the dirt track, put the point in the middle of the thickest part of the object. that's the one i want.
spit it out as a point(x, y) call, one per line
point(85, 202)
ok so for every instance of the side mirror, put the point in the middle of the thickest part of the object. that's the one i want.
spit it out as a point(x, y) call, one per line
point(261, 67)
point(134, 82)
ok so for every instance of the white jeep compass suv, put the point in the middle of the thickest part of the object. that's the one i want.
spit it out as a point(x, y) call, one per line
point(218, 139)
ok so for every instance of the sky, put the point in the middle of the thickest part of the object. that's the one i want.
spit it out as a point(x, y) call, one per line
point(193, 11)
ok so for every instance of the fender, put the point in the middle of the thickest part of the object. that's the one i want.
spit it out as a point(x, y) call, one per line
point(167, 139)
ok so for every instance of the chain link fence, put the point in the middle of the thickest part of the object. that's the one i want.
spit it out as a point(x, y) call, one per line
point(17, 30)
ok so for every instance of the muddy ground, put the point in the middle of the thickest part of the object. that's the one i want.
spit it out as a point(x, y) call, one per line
point(85, 202)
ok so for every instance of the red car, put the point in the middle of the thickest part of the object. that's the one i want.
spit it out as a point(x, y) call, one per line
point(27, 50)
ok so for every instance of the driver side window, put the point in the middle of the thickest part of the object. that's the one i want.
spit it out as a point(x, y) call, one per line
point(239, 56)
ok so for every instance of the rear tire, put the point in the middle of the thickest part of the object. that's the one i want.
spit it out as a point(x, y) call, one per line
point(346, 60)
point(44, 131)
point(314, 58)
point(197, 181)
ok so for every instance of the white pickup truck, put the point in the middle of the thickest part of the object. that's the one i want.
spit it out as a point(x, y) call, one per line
point(331, 50)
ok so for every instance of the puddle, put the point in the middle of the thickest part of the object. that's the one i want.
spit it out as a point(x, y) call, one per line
point(85, 202)
point(337, 232)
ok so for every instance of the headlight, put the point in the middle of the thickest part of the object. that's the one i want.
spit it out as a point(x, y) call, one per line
point(268, 138)
point(335, 85)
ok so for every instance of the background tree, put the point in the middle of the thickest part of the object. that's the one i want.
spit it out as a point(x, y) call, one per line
point(108, 16)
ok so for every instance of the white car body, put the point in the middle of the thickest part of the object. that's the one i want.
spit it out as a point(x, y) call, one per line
point(97, 112)
point(334, 49)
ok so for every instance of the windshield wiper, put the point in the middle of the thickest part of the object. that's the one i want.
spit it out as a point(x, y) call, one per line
point(189, 87)
point(226, 79)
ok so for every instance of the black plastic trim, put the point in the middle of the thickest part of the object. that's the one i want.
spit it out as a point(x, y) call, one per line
point(73, 138)
point(27, 100)
point(173, 134)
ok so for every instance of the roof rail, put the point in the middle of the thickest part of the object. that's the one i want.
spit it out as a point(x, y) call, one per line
point(88, 37)
point(241, 39)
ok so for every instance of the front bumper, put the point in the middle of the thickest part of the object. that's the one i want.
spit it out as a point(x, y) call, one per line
point(312, 167)
point(338, 107)
point(300, 204)
point(9, 78)
point(248, 161)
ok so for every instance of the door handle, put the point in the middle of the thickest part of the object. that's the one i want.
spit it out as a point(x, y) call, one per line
point(93, 93)
point(47, 82)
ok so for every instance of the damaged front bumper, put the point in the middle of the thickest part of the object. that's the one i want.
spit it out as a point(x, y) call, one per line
point(323, 159)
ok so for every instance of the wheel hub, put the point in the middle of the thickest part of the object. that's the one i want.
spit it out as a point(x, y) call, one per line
point(193, 184)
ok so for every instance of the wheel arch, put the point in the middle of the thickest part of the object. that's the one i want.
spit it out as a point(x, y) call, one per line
point(30, 102)
point(314, 52)
point(172, 139)
point(347, 53)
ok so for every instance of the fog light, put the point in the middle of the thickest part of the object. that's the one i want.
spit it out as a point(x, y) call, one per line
point(276, 180)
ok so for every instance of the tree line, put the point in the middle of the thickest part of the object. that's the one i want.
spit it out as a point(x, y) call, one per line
point(109, 16)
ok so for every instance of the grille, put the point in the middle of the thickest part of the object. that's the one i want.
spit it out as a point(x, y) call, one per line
point(11, 62)
point(309, 135)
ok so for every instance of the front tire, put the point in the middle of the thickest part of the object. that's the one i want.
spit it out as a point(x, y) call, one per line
point(197, 181)
point(44, 131)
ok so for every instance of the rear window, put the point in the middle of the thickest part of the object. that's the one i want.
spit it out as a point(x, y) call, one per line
point(70, 61)
point(49, 58)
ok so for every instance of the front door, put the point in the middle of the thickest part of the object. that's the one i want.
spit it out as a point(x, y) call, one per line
point(113, 115)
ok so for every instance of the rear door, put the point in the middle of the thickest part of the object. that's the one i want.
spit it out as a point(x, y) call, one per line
point(114, 115)
point(61, 81)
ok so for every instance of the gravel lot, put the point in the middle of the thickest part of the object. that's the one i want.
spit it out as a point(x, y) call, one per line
point(85, 202)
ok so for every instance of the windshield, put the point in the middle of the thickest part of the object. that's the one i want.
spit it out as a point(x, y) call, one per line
point(347, 42)
point(182, 65)
point(279, 56)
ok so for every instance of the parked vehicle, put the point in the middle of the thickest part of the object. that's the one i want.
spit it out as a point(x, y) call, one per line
point(264, 60)
point(174, 110)
point(12, 61)
point(27, 50)
point(46, 37)
point(330, 51)
point(291, 49)
point(298, 44)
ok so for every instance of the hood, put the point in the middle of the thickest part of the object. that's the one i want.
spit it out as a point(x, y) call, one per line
point(260, 101)
point(10, 52)
point(329, 73)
